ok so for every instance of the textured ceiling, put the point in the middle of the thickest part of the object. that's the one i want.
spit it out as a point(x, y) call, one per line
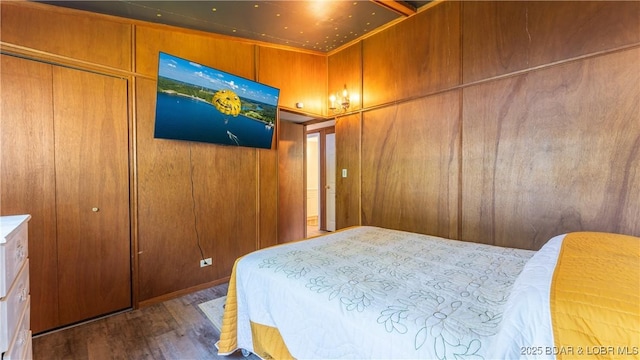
point(321, 25)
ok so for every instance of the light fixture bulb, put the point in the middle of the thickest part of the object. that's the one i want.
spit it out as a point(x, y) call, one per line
point(339, 101)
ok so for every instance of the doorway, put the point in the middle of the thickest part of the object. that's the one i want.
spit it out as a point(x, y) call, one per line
point(320, 180)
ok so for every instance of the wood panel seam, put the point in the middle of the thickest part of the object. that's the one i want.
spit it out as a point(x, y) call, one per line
point(498, 77)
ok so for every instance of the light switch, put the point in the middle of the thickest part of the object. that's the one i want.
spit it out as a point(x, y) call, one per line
point(344, 173)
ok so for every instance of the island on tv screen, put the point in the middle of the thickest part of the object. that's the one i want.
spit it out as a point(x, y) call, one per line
point(198, 103)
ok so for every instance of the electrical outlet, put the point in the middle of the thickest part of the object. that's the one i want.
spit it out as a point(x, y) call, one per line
point(206, 262)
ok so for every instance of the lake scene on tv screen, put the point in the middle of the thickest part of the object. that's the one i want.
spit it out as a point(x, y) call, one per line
point(199, 103)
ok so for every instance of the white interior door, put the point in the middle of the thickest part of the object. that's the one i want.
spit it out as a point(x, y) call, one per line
point(330, 153)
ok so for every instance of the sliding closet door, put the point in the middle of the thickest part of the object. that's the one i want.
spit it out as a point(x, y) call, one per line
point(92, 194)
point(27, 176)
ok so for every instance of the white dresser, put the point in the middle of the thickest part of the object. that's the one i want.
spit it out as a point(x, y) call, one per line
point(15, 331)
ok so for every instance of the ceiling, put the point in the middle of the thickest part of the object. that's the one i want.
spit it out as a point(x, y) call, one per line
point(319, 25)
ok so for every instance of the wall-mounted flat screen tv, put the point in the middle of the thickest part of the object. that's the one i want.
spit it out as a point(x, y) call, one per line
point(199, 103)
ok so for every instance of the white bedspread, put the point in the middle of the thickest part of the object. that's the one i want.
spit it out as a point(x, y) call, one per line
point(375, 293)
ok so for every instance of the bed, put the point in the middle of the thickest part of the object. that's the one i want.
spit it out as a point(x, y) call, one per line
point(374, 293)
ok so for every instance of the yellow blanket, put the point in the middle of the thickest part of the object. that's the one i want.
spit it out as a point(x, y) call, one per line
point(595, 296)
point(228, 334)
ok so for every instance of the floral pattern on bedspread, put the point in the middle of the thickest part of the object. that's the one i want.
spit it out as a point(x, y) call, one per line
point(444, 294)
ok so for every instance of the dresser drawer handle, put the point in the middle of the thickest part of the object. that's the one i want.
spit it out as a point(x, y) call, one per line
point(23, 337)
point(23, 294)
point(20, 253)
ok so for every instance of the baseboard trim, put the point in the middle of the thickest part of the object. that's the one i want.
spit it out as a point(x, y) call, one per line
point(182, 292)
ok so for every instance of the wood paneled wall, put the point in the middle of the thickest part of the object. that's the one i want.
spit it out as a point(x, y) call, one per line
point(506, 123)
point(194, 200)
point(191, 198)
point(345, 68)
point(70, 36)
point(268, 196)
point(414, 58)
point(348, 194)
point(552, 151)
point(300, 77)
point(188, 199)
point(291, 182)
point(410, 165)
point(502, 37)
point(232, 57)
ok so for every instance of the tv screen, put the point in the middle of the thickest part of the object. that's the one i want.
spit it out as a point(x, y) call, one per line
point(199, 103)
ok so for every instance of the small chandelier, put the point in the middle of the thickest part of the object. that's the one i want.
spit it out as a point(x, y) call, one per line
point(339, 103)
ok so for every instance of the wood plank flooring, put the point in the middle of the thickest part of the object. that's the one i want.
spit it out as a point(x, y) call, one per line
point(313, 230)
point(174, 329)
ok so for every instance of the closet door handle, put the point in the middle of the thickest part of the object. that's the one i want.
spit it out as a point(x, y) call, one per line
point(95, 209)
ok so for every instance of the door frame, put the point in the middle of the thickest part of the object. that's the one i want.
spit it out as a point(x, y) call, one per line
point(322, 191)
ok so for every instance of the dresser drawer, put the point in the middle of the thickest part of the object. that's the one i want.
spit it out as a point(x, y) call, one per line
point(13, 306)
point(28, 352)
point(20, 347)
point(13, 249)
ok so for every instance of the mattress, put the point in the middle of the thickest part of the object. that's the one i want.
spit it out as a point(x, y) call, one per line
point(370, 292)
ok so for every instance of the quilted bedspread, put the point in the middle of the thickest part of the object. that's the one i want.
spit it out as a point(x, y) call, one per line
point(368, 292)
point(596, 286)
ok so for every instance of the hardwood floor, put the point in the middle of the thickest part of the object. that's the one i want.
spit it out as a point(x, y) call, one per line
point(313, 230)
point(174, 329)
